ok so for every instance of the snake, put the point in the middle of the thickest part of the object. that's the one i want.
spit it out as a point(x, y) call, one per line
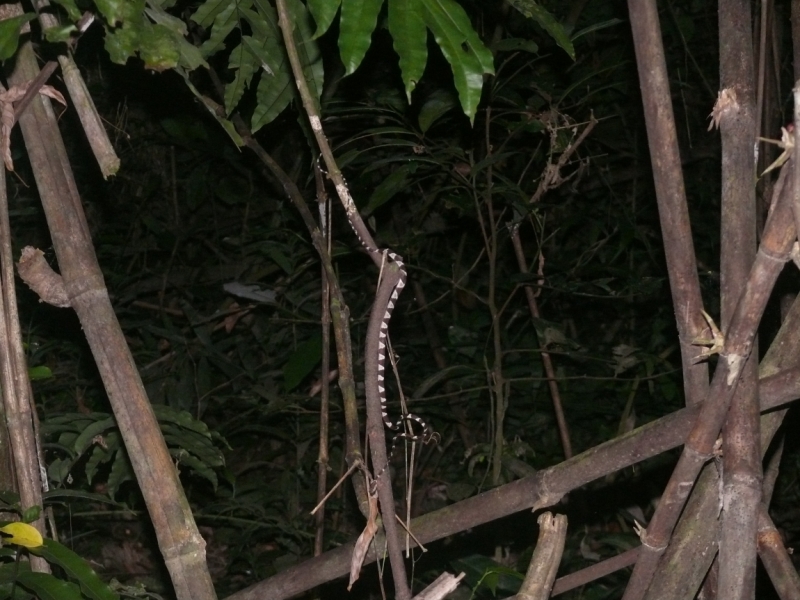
point(390, 286)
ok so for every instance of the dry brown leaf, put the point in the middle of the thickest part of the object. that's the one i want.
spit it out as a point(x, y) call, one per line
point(7, 100)
point(363, 541)
point(7, 120)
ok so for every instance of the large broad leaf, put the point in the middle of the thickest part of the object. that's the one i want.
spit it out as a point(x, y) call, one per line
point(159, 47)
point(463, 49)
point(122, 43)
point(535, 11)
point(9, 34)
point(323, 12)
point(410, 38)
point(357, 23)
point(76, 569)
point(47, 587)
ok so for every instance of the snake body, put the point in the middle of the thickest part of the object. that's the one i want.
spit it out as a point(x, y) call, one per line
point(397, 283)
point(392, 282)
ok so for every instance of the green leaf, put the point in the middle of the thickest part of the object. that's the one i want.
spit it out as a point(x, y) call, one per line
point(207, 13)
point(481, 570)
point(73, 12)
point(224, 22)
point(162, 17)
point(302, 362)
point(323, 12)
point(159, 47)
point(307, 48)
point(191, 57)
point(121, 44)
point(535, 11)
point(58, 470)
point(9, 500)
point(97, 457)
point(9, 34)
point(120, 11)
point(437, 104)
point(199, 446)
point(267, 54)
point(30, 514)
point(274, 91)
point(244, 66)
point(86, 437)
point(181, 418)
point(47, 587)
point(211, 107)
point(397, 181)
point(280, 259)
point(356, 24)
point(410, 40)
point(76, 569)
point(197, 466)
point(59, 34)
point(468, 57)
point(39, 373)
point(120, 472)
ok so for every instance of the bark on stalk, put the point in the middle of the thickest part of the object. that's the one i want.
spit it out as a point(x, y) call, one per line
point(179, 540)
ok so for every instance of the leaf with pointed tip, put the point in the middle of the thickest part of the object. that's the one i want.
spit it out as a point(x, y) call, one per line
point(356, 24)
point(76, 569)
point(323, 12)
point(410, 40)
point(468, 57)
point(9, 34)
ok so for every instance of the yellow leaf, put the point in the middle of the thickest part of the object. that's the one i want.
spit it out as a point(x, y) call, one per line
point(22, 534)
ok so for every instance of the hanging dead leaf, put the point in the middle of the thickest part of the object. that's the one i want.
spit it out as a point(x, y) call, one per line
point(363, 541)
point(7, 118)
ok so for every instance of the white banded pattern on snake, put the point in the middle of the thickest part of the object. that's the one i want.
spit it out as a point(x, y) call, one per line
point(392, 283)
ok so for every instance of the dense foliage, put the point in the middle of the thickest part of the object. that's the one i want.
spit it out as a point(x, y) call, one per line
point(236, 377)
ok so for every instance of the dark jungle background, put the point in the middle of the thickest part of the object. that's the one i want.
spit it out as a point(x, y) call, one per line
point(188, 213)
